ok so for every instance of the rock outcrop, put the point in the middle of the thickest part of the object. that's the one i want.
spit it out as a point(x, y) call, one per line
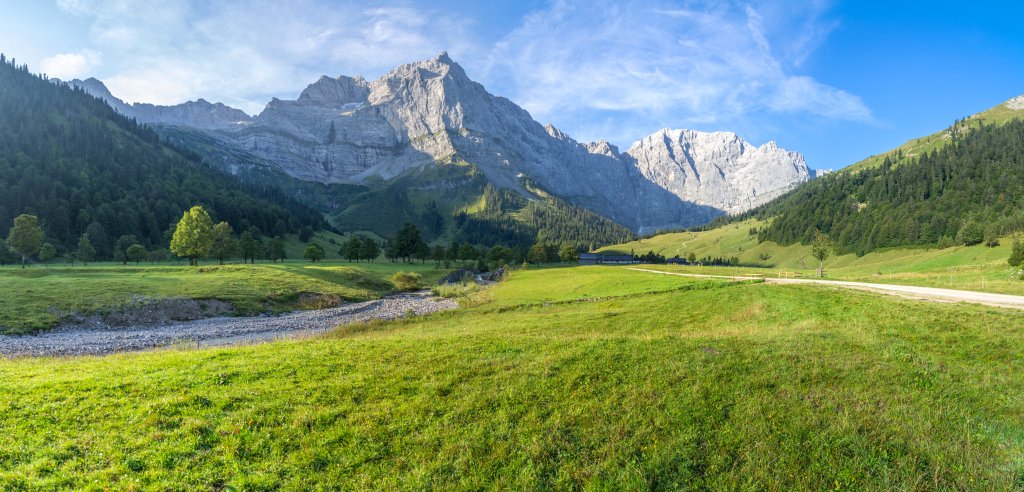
point(1016, 103)
point(349, 130)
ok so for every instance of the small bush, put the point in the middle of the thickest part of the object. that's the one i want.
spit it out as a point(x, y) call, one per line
point(407, 281)
point(454, 291)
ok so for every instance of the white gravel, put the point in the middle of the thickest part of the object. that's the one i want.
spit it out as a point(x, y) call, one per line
point(217, 331)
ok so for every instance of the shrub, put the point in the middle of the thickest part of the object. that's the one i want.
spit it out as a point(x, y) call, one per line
point(452, 291)
point(406, 281)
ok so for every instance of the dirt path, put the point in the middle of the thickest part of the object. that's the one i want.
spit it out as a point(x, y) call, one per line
point(217, 331)
point(933, 294)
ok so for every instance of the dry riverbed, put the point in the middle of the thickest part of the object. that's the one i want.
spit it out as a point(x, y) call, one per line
point(217, 331)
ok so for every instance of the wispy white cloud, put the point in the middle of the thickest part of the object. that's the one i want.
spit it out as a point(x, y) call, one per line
point(244, 52)
point(70, 65)
point(668, 65)
point(598, 69)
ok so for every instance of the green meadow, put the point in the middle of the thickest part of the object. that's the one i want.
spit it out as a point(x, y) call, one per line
point(565, 378)
point(35, 298)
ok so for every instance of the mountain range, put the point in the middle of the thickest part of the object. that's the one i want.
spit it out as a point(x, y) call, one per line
point(420, 116)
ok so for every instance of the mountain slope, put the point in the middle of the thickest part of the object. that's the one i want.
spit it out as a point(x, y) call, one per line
point(81, 167)
point(1007, 111)
point(966, 190)
point(349, 130)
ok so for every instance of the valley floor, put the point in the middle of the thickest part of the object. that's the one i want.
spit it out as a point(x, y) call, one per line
point(567, 378)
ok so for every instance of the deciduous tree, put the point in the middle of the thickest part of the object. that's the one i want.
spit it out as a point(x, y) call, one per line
point(193, 236)
point(223, 244)
point(26, 237)
point(136, 253)
point(314, 252)
point(47, 252)
point(369, 250)
point(85, 251)
point(249, 247)
point(568, 254)
point(277, 251)
point(821, 249)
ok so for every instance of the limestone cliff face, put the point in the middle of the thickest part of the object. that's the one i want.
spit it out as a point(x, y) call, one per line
point(348, 130)
point(718, 169)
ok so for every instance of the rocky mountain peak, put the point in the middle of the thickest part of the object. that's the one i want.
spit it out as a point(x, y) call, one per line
point(345, 129)
point(718, 169)
point(1016, 103)
point(335, 92)
point(602, 147)
point(555, 132)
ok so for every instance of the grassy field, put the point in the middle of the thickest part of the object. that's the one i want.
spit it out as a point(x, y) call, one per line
point(978, 268)
point(36, 298)
point(559, 379)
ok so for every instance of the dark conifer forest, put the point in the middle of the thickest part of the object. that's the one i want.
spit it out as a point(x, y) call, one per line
point(967, 192)
point(70, 159)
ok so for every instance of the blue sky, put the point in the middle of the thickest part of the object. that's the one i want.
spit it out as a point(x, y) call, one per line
point(837, 81)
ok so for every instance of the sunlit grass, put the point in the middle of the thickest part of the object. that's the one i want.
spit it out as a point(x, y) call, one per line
point(647, 381)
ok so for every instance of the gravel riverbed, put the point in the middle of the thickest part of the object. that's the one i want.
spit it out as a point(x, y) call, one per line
point(217, 331)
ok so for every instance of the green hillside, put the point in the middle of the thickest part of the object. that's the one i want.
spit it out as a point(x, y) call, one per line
point(573, 378)
point(919, 146)
point(82, 168)
point(966, 192)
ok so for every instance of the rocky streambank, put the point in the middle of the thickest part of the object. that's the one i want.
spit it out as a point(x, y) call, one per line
point(217, 331)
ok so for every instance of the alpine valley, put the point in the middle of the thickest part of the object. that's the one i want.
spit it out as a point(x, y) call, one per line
point(426, 144)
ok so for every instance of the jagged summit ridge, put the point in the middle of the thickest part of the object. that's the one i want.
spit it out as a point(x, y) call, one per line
point(347, 129)
point(718, 168)
point(1016, 103)
point(198, 114)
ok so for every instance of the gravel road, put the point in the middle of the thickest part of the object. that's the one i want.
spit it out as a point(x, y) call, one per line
point(217, 331)
point(933, 294)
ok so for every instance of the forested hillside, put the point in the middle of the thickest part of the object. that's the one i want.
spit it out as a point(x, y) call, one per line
point(82, 168)
point(966, 192)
